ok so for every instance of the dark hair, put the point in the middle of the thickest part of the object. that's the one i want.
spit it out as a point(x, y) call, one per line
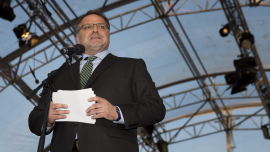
point(90, 12)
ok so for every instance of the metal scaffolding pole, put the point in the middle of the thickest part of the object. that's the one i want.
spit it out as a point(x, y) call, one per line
point(65, 16)
point(229, 133)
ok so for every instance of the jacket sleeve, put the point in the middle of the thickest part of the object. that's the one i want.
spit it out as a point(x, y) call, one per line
point(148, 108)
point(36, 116)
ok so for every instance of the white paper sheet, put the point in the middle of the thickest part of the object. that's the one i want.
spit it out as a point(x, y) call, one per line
point(77, 104)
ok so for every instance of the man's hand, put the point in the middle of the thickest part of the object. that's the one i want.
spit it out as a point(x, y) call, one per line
point(56, 114)
point(101, 109)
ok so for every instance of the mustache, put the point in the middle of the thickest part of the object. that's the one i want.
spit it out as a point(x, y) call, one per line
point(95, 34)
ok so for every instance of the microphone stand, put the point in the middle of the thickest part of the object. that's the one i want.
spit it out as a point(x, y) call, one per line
point(48, 83)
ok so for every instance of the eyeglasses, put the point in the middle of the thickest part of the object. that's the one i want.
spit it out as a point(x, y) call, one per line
point(90, 26)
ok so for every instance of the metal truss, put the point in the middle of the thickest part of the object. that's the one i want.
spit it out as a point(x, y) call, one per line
point(202, 129)
point(62, 16)
point(238, 26)
point(193, 96)
point(8, 73)
point(170, 27)
point(196, 130)
point(117, 26)
point(9, 76)
point(123, 20)
point(48, 55)
point(146, 10)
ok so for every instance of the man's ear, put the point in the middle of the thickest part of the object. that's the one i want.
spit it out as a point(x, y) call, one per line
point(77, 39)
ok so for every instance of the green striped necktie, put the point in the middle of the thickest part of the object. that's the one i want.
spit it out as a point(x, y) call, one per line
point(86, 71)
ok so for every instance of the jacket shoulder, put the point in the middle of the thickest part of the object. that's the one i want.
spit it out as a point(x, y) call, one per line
point(127, 59)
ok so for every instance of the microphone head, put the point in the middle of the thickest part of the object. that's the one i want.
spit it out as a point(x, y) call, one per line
point(81, 49)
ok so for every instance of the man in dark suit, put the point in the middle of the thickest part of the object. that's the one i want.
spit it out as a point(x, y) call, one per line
point(126, 96)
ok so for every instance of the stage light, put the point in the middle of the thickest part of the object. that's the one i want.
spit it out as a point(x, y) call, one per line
point(265, 129)
point(246, 40)
point(225, 30)
point(245, 74)
point(33, 41)
point(26, 36)
point(6, 12)
point(230, 78)
point(23, 35)
point(20, 31)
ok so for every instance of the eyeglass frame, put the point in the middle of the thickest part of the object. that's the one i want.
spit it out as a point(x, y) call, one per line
point(108, 26)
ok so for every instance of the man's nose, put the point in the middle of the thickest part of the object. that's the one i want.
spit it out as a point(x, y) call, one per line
point(95, 28)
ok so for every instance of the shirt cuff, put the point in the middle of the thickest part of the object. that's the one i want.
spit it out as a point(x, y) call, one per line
point(50, 128)
point(121, 121)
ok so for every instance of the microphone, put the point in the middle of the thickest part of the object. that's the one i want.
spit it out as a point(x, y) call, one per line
point(33, 73)
point(78, 49)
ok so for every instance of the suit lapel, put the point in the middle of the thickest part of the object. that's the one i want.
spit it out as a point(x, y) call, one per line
point(104, 64)
point(74, 73)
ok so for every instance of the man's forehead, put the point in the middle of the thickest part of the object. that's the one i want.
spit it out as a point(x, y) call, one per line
point(93, 18)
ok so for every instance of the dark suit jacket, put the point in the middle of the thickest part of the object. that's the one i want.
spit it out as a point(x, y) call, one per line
point(124, 82)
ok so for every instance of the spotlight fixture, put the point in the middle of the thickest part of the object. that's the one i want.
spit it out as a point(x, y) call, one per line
point(230, 78)
point(225, 30)
point(23, 35)
point(246, 40)
point(21, 31)
point(245, 74)
point(32, 41)
point(6, 12)
point(265, 129)
point(26, 36)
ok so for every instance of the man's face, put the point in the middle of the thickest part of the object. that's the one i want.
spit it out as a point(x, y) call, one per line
point(94, 40)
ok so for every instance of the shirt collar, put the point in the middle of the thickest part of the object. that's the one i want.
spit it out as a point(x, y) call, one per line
point(100, 55)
